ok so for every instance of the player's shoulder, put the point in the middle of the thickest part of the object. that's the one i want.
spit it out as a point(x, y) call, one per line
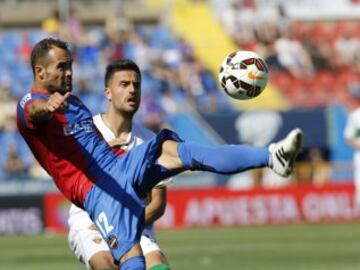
point(29, 97)
point(22, 102)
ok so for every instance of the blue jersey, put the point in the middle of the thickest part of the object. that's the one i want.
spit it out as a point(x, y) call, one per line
point(108, 184)
point(67, 146)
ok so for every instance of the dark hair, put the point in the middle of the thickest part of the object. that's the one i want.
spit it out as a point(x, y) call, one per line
point(42, 48)
point(123, 64)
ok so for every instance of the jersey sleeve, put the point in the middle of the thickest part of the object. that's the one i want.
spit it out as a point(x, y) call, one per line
point(23, 111)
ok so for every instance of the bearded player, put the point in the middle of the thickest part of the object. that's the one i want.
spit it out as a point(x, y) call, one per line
point(111, 184)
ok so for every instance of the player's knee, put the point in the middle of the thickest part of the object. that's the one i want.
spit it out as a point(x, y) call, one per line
point(169, 157)
point(102, 260)
point(160, 267)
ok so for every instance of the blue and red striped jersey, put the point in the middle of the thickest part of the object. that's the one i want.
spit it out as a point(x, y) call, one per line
point(68, 146)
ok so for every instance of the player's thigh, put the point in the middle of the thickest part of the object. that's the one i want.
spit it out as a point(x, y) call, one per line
point(118, 215)
point(142, 167)
point(169, 157)
point(102, 260)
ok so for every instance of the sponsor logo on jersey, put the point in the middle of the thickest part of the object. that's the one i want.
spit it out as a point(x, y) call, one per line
point(112, 242)
point(97, 239)
point(85, 125)
point(25, 99)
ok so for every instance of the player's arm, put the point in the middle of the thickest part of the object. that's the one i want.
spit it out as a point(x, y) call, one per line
point(353, 142)
point(41, 109)
point(351, 131)
point(156, 208)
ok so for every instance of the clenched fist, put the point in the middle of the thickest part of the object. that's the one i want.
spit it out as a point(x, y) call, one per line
point(57, 102)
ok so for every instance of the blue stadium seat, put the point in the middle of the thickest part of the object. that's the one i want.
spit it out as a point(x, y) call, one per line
point(35, 35)
point(160, 37)
point(11, 39)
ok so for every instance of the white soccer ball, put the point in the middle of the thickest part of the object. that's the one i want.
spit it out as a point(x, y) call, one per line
point(243, 75)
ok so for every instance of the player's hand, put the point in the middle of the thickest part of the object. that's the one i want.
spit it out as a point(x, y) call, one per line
point(57, 102)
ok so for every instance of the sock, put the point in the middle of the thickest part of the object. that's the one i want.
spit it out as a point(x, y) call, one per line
point(160, 267)
point(225, 159)
point(133, 263)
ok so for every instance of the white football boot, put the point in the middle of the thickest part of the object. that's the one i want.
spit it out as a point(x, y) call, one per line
point(284, 152)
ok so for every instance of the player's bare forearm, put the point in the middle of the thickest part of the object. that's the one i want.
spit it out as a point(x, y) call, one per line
point(41, 110)
point(354, 143)
point(156, 208)
point(38, 111)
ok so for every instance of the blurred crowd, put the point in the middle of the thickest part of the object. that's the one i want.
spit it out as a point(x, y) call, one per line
point(313, 63)
point(173, 79)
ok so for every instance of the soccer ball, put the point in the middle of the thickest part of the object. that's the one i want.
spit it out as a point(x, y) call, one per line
point(243, 75)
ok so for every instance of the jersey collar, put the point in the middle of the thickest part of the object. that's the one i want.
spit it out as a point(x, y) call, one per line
point(38, 91)
point(130, 136)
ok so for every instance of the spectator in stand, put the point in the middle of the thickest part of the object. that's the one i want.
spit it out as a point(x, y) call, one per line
point(292, 55)
point(321, 52)
point(36, 172)
point(117, 28)
point(14, 167)
point(25, 47)
point(168, 102)
point(6, 103)
point(51, 25)
point(347, 46)
point(72, 28)
point(116, 23)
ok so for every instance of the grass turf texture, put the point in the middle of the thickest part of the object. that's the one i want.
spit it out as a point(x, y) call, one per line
point(296, 247)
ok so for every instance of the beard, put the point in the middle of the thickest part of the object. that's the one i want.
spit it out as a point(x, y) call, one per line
point(65, 87)
point(128, 112)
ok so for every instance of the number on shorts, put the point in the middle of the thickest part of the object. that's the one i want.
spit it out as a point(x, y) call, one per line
point(103, 224)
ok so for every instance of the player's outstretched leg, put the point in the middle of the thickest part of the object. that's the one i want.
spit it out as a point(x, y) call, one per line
point(284, 152)
point(231, 159)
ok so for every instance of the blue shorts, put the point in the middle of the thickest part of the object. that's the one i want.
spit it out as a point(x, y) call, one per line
point(115, 202)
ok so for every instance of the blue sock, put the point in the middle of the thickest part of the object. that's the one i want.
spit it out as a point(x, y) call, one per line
point(225, 159)
point(133, 263)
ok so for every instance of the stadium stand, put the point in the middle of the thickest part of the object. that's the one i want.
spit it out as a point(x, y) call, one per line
point(314, 63)
point(173, 80)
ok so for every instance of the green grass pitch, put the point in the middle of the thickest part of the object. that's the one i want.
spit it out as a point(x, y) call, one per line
point(295, 247)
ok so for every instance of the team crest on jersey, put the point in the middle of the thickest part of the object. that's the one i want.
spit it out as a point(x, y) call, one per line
point(112, 242)
point(86, 125)
point(25, 99)
point(97, 239)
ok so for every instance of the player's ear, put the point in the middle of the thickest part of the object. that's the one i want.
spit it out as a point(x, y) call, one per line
point(40, 72)
point(108, 93)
